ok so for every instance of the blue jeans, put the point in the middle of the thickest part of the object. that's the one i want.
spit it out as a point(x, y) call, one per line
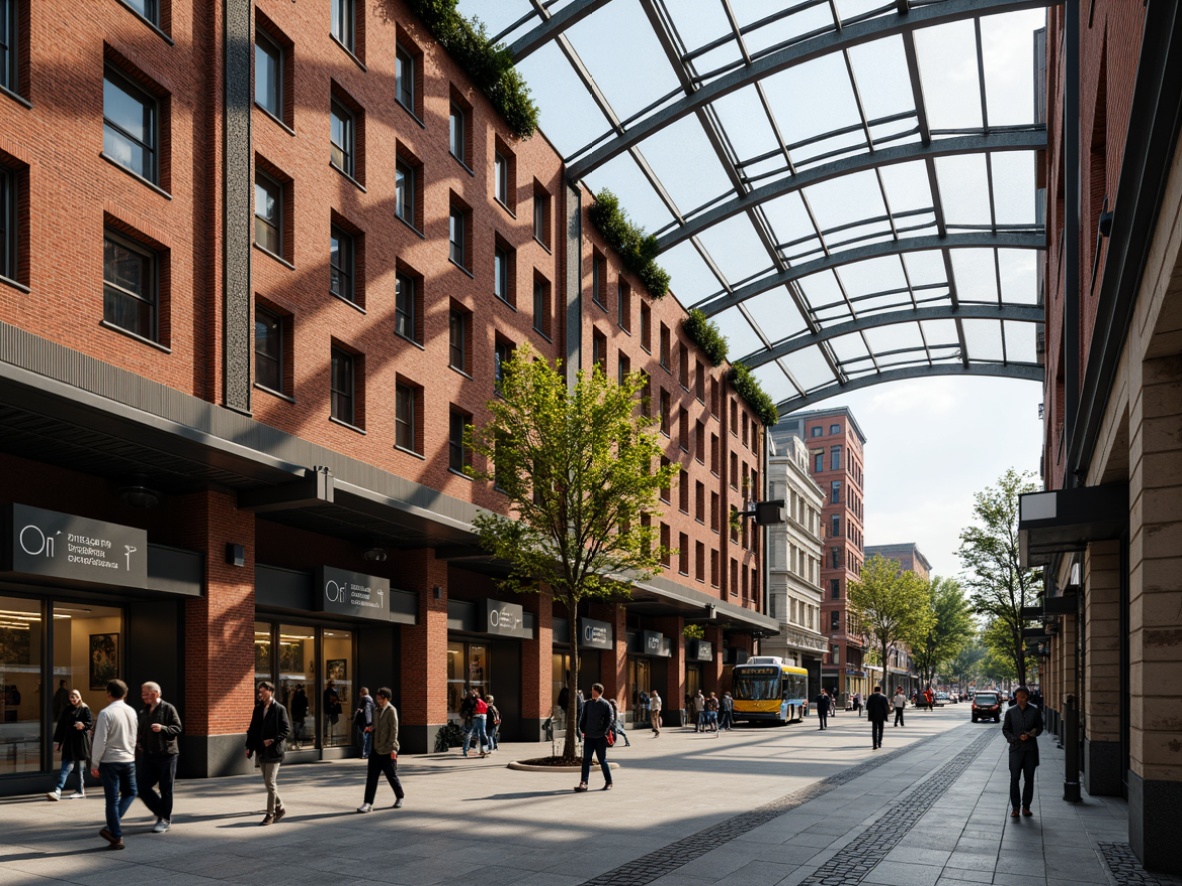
point(598, 746)
point(119, 791)
point(366, 744)
point(67, 767)
point(476, 735)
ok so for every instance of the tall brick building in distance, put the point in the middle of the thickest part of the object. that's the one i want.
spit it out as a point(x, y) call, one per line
point(835, 443)
point(261, 264)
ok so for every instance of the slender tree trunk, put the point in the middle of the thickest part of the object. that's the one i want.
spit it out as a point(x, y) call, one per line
point(572, 683)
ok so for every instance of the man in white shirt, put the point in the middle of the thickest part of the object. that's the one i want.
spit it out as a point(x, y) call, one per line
point(113, 759)
point(900, 703)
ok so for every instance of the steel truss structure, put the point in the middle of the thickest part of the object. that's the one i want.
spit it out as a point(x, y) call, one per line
point(841, 293)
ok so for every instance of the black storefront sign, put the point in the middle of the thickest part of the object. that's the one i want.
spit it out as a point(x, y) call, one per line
point(64, 546)
point(504, 619)
point(654, 643)
point(341, 592)
point(701, 650)
point(595, 634)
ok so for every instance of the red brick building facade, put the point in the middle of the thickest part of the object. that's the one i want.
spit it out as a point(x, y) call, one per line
point(261, 265)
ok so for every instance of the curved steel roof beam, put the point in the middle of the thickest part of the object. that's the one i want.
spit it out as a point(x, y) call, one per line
point(555, 24)
point(1023, 371)
point(788, 56)
point(1010, 312)
point(972, 240)
point(1032, 139)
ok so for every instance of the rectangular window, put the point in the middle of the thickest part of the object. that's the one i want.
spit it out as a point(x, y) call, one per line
point(835, 526)
point(542, 306)
point(268, 75)
point(406, 416)
point(11, 224)
point(458, 133)
point(130, 126)
point(344, 25)
point(700, 381)
point(404, 78)
point(502, 274)
point(700, 561)
point(818, 461)
point(816, 431)
point(683, 438)
point(734, 478)
point(340, 260)
point(835, 492)
point(501, 178)
point(835, 588)
point(130, 286)
point(665, 355)
point(624, 305)
point(683, 366)
point(623, 369)
point(406, 307)
point(665, 489)
point(457, 339)
point(835, 458)
point(683, 495)
point(714, 511)
point(341, 132)
point(268, 214)
point(502, 353)
point(599, 279)
point(835, 621)
point(666, 410)
point(714, 453)
point(458, 236)
point(835, 429)
point(149, 9)
point(646, 327)
point(268, 350)
point(683, 554)
point(714, 568)
point(405, 191)
point(700, 443)
point(700, 501)
point(541, 215)
point(343, 405)
point(9, 43)
point(835, 558)
point(665, 546)
point(599, 350)
point(459, 456)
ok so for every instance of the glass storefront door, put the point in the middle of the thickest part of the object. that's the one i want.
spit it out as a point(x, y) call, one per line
point(468, 667)
point(640, 678)
point(21, 638)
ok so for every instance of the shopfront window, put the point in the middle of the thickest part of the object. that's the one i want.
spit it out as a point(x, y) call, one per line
point(87, 653)
point(640, 679)
point(21, 636)
point(467, 668)
point(559, 669)
point(339, 673)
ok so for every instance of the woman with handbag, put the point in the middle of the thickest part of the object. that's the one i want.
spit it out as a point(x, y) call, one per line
point(266, 742)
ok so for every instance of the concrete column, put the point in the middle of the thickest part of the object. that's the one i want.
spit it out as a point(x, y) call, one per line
point(1102, 760)
point(219, 639)
point(1155, 602)
point(536, 664)
point(424, 653)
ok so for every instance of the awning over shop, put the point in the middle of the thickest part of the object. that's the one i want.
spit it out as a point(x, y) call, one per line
point(1066, 520)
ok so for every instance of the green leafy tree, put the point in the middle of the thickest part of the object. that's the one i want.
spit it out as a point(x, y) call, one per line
point(576, 467)
point(999, 588)
point(997, 665)
point(966, 666)
point(950, 631)
point(892, 605)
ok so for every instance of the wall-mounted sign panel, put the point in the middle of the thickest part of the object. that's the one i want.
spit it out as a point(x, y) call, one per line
point(653, 643)
point(504, 619)
point(341, 592)
point(64, 546)
point(595, 634)
point(701, 650)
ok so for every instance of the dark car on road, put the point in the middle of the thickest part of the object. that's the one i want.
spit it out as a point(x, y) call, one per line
point(987, 705)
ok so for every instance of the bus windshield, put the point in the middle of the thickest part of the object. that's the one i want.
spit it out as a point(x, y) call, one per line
point(752, 687)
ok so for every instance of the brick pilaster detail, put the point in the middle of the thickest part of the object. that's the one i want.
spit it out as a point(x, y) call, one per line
point(536, 661)
point(424, 645)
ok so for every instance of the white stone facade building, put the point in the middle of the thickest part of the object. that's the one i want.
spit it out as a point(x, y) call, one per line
point(794, 559)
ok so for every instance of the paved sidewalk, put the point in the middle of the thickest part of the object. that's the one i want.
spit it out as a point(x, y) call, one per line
point(754, 806)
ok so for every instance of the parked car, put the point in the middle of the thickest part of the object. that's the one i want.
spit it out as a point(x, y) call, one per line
point(986, 705)
point(940, 699)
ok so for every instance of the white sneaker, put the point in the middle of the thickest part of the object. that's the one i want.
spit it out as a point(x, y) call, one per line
point(161, 826)
point(365, 807)
point(55, 794)
point(78, 795)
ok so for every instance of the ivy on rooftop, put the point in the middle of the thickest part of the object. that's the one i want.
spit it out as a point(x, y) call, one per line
point(636, 249)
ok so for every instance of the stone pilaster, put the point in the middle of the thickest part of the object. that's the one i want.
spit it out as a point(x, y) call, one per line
point(1102, 760)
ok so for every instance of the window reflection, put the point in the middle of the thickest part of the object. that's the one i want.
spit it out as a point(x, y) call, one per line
point(21, 637)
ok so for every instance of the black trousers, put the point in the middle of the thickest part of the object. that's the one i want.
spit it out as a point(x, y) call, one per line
point(379, 764)
point(1022, 764)
point(876, 732)
point(898, 716)
point(823, 717)
point(152, 770)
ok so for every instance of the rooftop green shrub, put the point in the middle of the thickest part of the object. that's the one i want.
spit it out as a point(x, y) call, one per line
point(636, 249)
point(706, 336)
point(748, 387)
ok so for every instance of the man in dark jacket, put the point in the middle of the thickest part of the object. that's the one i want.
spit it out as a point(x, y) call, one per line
point(267, 736)
point(822, 702)
point(594, 723)
point(877, 708)
point(1021, 728)
point(156, 753)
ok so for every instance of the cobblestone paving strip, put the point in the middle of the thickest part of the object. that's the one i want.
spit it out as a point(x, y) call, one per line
point(1126, 868)
point(896, 821)
point(668, 858)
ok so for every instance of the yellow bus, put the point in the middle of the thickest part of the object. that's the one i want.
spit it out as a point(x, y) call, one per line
point(769, 691)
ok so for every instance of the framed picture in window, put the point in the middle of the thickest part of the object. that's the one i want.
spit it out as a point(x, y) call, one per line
point(104, 659)
point(336, 669)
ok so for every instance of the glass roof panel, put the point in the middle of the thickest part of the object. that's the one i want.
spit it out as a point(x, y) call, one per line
point(1020, 342)
point(569, 115)
point(809, 368)
point(849, 348)
point(880, 68)
point(843, 200)
point(1007, 43)
point(1019, 275)
point(872, 275)
point(821, 289)
point(740, 337)
point(1013, 187)
point(735, 248)
point(692, 278)
point(776, 314)
point(790, 27)
point(622, 176)
point(907, 186)
point(790, 220)
point(984, 339)
point(964, 189)
point(689, 184)
point(806, 112)
point(892, 338)
point(940, 333)
point(741, 112)
point(699, 22)
point(976, 279)
point(925, 268)
point(948, 70)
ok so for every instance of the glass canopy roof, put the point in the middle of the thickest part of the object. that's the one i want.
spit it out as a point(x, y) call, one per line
point(849, 188)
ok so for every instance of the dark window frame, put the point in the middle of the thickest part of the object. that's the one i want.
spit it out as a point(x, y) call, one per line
point(343, 397)
point(338, 111)
point(149, 303)
point(346, 270)
point(151, 106)
point(277, 360)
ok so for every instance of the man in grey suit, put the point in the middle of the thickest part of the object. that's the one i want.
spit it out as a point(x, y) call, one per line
point(1021, 727)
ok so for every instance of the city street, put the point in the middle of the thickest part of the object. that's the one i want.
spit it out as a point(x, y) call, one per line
point(754, 806)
